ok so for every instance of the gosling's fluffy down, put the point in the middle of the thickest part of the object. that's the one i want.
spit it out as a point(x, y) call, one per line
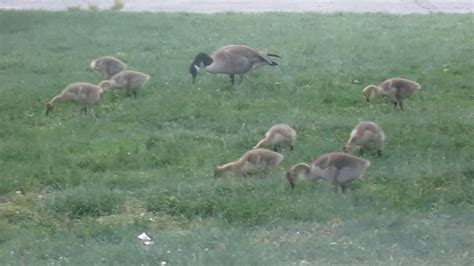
point(368, 136)
point(232, 60)
point(258, 161)
point(280, 135)
point(129, 80)
point(337, 167)
point(81, 93)
point(107, 66)
point(397, 89)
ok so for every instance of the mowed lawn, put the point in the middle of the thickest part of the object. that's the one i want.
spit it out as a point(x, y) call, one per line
point(78, 189)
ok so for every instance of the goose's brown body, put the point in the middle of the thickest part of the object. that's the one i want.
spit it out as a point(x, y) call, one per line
point(232, 60)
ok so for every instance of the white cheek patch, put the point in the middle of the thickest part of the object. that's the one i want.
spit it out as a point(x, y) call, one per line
point(93, 64)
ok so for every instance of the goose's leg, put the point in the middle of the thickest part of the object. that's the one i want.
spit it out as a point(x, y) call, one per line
point(232, 79)
point(241, 78)
point(134, 93)
point(400, 103)
point(343, 189)
point(334, 180)
point(394, 104)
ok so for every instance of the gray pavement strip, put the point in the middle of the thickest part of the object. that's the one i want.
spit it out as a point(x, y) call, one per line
point(216, 6)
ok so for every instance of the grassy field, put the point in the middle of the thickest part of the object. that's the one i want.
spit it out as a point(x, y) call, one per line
point(78, 189)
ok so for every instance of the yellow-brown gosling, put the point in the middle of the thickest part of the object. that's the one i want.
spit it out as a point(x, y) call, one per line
point(280, 135)
point(128, 80)
point(337, 167)
point(107, 66)
point(81, 93)
point(397, 89)
point(368, 136)
point(252, 162)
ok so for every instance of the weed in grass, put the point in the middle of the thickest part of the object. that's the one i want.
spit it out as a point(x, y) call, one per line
point(118, 5)
point(85, 200)
point(93, 8)
point(73, 8)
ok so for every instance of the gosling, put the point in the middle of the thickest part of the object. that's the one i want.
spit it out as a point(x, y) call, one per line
point(81, 93)
point(129, 80)
point(397, 89)
point(337, 167)
point(368, 136)
point(280, 135)
point(232, 60)
point(107, 66)
point(252, 162)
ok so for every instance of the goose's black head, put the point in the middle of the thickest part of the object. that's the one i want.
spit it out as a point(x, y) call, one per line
point(201, 58)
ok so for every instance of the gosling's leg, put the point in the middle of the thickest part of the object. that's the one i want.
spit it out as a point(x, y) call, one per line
point(134, 93)
point(400, 103)
point(232, 79)
point(83, 110)
point(395, 104)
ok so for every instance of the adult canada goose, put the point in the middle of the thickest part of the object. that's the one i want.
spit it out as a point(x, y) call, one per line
point(278, 136)
point(107, 66)
point(81, 93)
point(232, 60)
point(397, 89)
point(252, 162)
point(337, 167)
point(368, 136)
point(129, 80)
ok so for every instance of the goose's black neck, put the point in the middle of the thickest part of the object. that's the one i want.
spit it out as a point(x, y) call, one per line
point(201, 58)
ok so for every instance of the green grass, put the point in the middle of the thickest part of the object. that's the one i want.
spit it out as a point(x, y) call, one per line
point(78, 189)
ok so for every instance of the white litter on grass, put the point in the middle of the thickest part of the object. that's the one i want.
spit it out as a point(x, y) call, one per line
point(145, 238)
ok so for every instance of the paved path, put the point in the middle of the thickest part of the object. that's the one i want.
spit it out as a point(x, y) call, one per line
point(214, 6)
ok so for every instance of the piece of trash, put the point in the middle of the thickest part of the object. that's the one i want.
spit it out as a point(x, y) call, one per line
point(355, 81)
point(445, 69)
point(18, 192)
point(145, 238)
